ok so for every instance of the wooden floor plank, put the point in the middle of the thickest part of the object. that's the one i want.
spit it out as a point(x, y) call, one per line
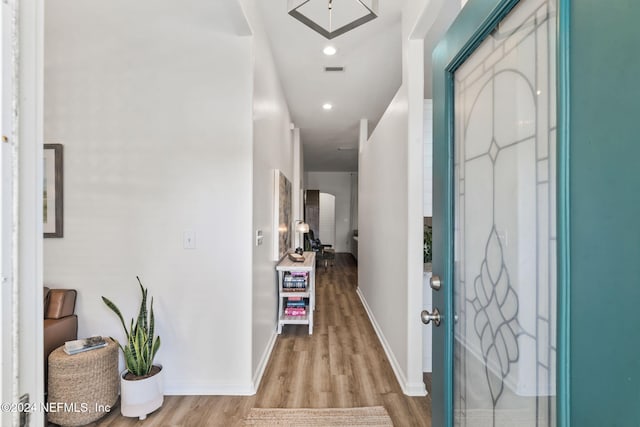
point(341, 365)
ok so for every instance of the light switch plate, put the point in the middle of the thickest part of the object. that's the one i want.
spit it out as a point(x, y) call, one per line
point(189, 239)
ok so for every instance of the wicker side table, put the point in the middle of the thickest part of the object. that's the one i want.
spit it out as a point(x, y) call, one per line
point(82, 387)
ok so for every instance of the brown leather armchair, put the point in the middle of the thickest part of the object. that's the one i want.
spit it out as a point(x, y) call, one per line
point(60, 324)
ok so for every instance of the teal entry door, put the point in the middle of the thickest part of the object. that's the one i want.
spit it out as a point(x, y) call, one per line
point(524, 158)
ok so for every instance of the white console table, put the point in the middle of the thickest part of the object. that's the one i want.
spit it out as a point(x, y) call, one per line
point(285, 268)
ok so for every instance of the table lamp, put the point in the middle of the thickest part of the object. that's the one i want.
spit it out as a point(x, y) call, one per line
point(301, 227)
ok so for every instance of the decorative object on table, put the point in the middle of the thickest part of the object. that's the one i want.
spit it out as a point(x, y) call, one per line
point(52, 200)
point(281, 215)
point(85, 344)
point(320, 15)
point(296, 257)
point(141, 384)
point(85, 383)
point(301, 228)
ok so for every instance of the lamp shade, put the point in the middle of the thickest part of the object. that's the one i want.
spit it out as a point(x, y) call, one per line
point(302, 227)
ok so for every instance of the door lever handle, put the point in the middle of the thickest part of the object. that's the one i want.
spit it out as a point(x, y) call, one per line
point(431, 317)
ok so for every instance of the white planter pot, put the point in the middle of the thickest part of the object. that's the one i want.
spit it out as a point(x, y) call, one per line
point(138, 398)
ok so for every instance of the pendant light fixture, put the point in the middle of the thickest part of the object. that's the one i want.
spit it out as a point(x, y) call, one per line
point(332, 18)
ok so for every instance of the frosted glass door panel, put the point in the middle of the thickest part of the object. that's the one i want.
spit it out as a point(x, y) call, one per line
point(504, 275)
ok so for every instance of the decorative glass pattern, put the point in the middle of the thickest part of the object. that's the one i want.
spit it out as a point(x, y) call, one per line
point(505, 273)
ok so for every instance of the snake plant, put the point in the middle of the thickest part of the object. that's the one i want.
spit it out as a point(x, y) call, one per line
point(141, 346)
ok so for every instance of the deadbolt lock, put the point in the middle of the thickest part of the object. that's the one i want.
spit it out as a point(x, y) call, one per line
point(435, 283)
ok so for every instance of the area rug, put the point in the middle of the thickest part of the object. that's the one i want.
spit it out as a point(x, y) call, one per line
point(373, 416)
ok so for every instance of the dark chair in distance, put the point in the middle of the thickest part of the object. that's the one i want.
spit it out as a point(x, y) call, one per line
point(323, 252)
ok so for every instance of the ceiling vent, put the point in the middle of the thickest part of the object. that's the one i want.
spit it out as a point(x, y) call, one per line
point(333, 69)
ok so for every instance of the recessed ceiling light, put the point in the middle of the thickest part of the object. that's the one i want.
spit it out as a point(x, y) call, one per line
point(327, 106)
point(329, 50)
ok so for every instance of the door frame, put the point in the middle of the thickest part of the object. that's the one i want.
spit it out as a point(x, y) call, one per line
point(476, 20)
point(8, 368)
point(22, 326)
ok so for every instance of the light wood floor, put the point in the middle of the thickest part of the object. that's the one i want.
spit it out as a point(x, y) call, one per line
point(341, 365)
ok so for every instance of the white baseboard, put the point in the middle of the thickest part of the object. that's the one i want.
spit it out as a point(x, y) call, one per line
point(410, 389)
point(191, 389)
point(262, 365)
point(415, 389)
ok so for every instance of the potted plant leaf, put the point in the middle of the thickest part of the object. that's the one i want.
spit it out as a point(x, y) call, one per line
point(141, 383)
point(426, 248)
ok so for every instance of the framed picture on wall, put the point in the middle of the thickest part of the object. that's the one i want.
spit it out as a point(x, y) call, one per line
point(282, 221)
point(52, 191)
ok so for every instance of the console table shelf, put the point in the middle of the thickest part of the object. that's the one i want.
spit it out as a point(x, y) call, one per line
point(285, 268)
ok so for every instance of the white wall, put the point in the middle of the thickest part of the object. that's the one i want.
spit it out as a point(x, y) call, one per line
point(338, 184)
point(391, 214)
point(428, 158)
point(22, 345)
point(7, 222)
point(153, 106)
point(273, 149)
point(382, 230)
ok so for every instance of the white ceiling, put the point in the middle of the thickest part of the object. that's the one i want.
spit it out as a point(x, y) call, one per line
point(372, 59)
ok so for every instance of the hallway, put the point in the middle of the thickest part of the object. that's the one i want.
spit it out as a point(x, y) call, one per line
point(341, 365)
